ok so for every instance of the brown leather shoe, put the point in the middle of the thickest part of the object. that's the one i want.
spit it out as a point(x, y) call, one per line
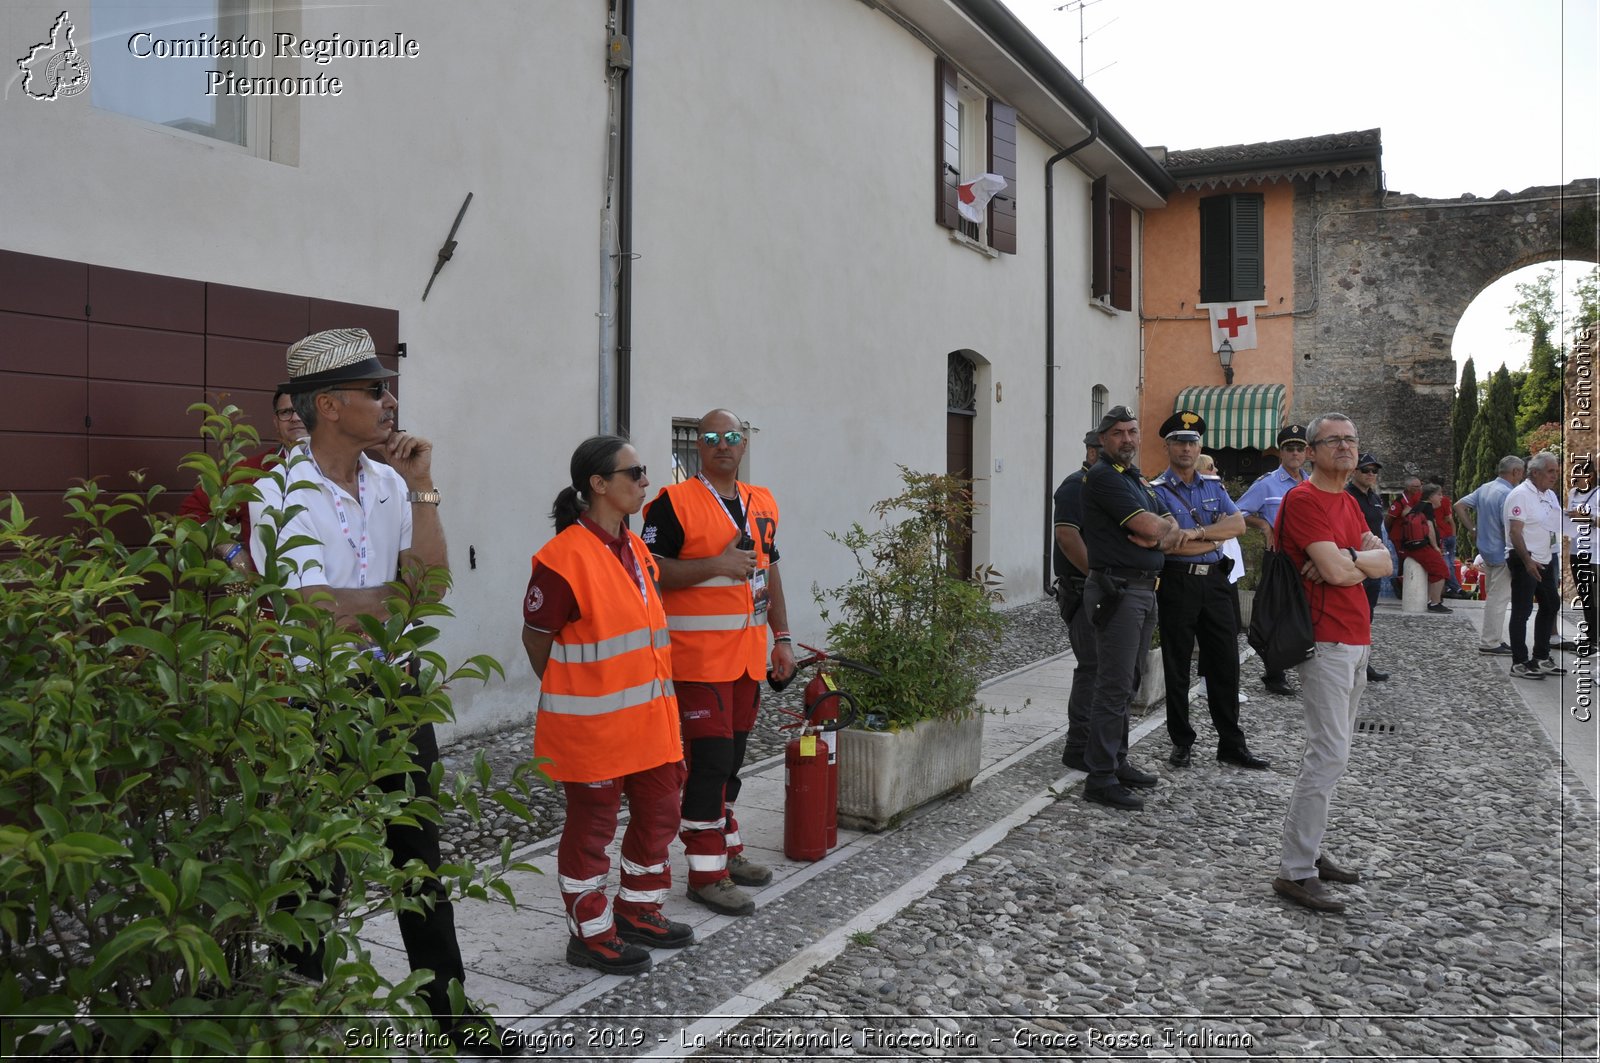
point(1307, 893)
point(1328, 871)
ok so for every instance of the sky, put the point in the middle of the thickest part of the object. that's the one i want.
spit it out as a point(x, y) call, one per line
point(1471, 96)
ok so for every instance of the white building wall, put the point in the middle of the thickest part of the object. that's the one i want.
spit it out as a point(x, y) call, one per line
point(789, 267)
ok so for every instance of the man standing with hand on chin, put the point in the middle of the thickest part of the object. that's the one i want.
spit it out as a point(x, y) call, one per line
point(716, 541)
point(1326, 536)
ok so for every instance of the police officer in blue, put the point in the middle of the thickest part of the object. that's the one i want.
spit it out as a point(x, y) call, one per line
point(1260, 503)
point(1126, 529)
point(1194, 601)
point(1070, 559)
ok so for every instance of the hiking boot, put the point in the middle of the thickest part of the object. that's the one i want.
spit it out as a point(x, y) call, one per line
point(723, 897)
point(1547, 667)
point(608, 957)
point(746, 872)
point(1526, 670)
point(653, 930)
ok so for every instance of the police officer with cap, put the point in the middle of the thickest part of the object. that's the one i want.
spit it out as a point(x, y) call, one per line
point(1194, 600)
point(1071, 563)
point(1260, 503)
point(1126, 529)
point(1364, 486)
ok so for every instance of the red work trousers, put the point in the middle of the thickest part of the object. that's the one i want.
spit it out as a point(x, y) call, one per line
point(717, 719)
point(654, 797)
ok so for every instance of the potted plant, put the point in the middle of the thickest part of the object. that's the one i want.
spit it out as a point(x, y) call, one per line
point(930, 630)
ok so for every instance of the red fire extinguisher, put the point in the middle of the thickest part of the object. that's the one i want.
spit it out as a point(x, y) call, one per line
point(811, 762)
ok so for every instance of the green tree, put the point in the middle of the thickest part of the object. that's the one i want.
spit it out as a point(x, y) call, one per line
point(1493, 435)
point(1463, 413)
point(1587, 292)
point(1535, 309)
point(1539, 397)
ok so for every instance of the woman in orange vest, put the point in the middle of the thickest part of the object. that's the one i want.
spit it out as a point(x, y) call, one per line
point(596, 636)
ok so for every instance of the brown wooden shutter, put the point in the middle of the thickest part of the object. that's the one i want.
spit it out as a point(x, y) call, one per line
point(946, 144)
point(1121, 255)
point(1100, 237)
point(1003, 162)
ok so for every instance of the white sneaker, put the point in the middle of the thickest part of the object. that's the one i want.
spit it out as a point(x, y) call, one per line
point(1526, 670)
point(1547, 666)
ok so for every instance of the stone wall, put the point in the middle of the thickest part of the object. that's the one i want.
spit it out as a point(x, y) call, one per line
point(1386, 278)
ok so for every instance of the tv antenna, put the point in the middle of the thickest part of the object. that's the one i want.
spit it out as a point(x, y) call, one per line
point(1078, 6)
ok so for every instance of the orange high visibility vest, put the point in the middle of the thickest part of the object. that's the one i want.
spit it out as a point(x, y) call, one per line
point(715, 638)
point(606, 707)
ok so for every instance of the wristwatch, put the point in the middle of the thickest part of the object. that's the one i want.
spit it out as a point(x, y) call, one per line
point(423, 496)
point(1352, 552)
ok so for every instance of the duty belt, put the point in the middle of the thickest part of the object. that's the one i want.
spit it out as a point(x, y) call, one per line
point(1189, 569)
point(1137, 578)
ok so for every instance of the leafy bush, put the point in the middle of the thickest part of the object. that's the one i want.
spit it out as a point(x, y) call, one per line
point(907, 613)
point(169, 778)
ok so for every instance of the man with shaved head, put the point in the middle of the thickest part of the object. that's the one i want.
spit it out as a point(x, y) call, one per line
point(716, 539)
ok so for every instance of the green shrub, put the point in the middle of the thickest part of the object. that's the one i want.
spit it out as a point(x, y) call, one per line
point(906, 613)
point(168, 779)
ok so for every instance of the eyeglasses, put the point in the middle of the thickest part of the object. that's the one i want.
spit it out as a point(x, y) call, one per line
point(711, 439)
point(1368, 469)
point(285, 414)
point(377, 389)
point(635, 472)
point(1338, 441)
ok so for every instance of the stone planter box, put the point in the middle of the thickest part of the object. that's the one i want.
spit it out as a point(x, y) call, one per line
point(885, 774)
point(1153, 687)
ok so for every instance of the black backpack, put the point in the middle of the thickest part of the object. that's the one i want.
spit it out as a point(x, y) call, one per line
point(1280, 620)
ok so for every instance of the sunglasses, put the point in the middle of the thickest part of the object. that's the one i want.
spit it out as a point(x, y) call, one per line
point(1369, 470)
point(711, 439)
point(1292, 446)
point(635, 472)
point(377, 389)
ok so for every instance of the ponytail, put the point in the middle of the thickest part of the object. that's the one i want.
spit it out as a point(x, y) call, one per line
point(569, 506)
point(592, 458)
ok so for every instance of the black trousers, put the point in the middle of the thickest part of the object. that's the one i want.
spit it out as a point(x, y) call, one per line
point(1199, 609)
point(1526, 592)
point(429, 935)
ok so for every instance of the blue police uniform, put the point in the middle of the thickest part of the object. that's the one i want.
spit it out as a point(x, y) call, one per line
point(1195, 603)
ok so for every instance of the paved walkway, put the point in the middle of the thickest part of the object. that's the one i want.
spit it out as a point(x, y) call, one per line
point(1017, 920)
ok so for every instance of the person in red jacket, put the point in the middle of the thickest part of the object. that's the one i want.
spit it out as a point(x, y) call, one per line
point(596, 635)
point(716, 541)
point(291, 430)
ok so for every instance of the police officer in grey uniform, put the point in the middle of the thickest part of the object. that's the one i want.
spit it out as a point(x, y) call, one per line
point(1070, 560)
point(1195, 602)
point(1126, 528)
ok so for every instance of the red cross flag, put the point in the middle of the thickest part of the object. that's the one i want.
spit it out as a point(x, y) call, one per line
point(972, 197)
point(1234, 322)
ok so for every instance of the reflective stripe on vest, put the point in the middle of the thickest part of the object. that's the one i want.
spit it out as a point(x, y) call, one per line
point(724, 622)
point(600, 704)
point(594, 652)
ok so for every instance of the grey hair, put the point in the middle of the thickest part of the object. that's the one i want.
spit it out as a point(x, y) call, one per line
point(1543, 460)
point(1509, 463)
point(1311, 429)
point(305, 404)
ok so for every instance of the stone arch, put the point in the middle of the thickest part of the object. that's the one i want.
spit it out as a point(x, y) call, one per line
point(1385, 279)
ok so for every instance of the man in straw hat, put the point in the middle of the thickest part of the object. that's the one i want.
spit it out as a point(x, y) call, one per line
point(366, 523)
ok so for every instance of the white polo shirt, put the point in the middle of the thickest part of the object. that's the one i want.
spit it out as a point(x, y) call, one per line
point(1540, 514)
point(357, 541)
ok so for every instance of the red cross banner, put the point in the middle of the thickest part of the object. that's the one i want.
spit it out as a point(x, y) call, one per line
point(972, 197)
point(1234, 322)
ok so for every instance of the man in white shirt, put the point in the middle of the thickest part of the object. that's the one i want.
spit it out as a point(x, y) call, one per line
point(1533, 533)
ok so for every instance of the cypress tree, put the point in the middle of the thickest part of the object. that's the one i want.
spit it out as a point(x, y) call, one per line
point(1539, 398)
point(1493, 435)
point(1463, 413)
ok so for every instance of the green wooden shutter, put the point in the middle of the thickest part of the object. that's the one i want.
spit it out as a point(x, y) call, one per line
point(1216, 249)
point(1249, 273)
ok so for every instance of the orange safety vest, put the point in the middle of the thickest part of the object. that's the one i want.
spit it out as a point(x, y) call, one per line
point(606, 707)
point(715, 638)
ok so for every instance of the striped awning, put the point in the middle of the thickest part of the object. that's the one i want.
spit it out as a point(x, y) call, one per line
point(1242, 416)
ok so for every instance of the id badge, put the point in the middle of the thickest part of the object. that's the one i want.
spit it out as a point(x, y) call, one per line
point(758, 595)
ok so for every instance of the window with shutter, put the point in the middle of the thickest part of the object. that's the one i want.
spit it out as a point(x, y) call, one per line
point(1111, 245)
point(1232, 262)
point(973, 134)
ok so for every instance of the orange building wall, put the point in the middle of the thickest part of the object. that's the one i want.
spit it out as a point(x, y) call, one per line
point(1177, 336)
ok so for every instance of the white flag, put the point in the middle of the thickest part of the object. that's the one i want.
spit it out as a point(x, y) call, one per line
point(972, 197)
point(1234, 322)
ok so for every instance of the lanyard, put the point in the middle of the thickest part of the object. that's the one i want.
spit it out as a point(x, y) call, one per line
point(360, 549)
point(744, 504)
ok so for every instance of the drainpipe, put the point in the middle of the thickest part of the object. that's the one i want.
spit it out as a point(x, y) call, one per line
point(625, 233)
point(1050, 339)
